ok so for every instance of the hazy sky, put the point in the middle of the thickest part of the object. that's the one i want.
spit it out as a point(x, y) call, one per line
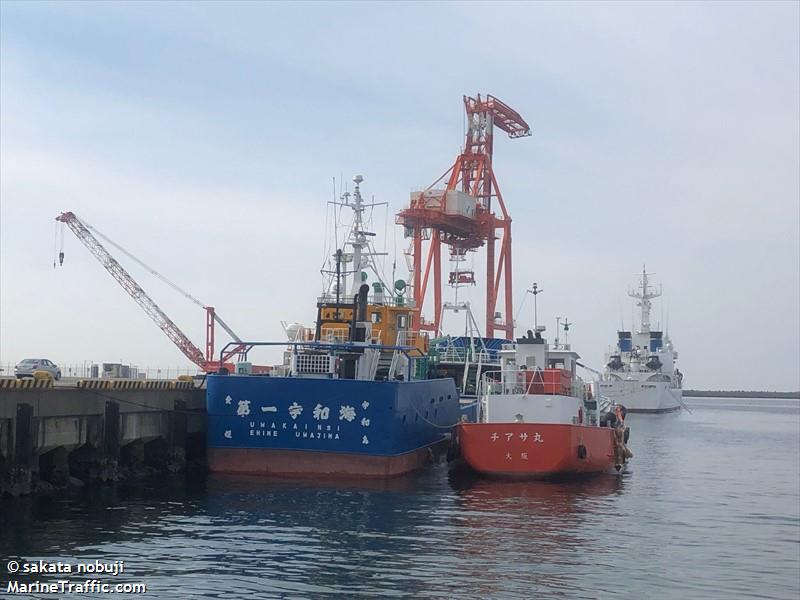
point(204, 138)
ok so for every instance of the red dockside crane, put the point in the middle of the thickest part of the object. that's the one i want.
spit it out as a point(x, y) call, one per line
point(205, 361)
point(461, 216)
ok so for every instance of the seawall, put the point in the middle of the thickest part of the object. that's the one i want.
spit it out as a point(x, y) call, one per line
point(96, 430)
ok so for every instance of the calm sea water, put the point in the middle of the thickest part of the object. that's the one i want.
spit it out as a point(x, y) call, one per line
point(710, 508)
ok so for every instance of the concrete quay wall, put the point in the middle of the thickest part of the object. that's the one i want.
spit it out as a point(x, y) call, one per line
point(96, 431)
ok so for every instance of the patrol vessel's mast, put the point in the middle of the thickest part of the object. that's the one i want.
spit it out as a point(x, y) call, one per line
point(643, 295)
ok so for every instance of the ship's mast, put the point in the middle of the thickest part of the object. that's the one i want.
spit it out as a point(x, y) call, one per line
point(643, 295)
point(362, 255)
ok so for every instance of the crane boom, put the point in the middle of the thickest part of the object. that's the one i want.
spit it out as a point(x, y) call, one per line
point(171, 284)
point(173, 332)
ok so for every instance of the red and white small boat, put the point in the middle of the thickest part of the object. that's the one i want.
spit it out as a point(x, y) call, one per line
point(537, 419)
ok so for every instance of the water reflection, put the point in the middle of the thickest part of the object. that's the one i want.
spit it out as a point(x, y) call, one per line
point(717, 483)
point(535, 523)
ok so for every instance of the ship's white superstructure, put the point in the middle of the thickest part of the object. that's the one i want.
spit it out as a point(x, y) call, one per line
point(641, 371)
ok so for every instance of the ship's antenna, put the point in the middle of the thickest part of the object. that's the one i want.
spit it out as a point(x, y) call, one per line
point(330, 209)
point(566, 333)
point(535, 290)
point(335, 215)
point(338, 276)
point(386, 242)
point(558, 330)
point(394, 258)
point(328, 213)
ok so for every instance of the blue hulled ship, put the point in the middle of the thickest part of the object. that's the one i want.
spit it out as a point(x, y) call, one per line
point(303, 424)
point(353, 396)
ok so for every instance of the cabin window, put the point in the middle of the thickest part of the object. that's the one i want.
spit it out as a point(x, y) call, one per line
point(402, 321)
point(376, 317)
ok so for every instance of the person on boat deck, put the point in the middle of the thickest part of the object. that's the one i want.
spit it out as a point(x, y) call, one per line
point(522, 375)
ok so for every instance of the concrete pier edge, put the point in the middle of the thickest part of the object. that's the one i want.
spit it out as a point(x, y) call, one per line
point(53, 436)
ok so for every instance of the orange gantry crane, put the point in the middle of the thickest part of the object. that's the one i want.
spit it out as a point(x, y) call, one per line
point(462, 217)
point(206, 362)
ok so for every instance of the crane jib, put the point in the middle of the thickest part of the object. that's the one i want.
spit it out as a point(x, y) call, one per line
point(180, 339)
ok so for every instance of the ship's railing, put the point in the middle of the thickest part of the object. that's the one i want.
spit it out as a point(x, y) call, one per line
point(530, 382)
point(336, 334)
point(523, 383)
point(486, 358)
point(414, 363)
point(385, 300)
point(340, 335)
point(409, 338)
point(400, 363)
point(453, 354)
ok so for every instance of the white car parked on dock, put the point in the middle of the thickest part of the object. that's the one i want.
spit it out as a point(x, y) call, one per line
point(27, 367)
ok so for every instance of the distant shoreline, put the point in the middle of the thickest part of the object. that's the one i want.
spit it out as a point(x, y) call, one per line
point(738, 394)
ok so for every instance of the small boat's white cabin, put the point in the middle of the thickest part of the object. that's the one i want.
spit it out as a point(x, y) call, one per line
point(535, 385)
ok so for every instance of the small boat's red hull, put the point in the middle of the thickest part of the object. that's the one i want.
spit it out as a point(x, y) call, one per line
point(536, 450)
